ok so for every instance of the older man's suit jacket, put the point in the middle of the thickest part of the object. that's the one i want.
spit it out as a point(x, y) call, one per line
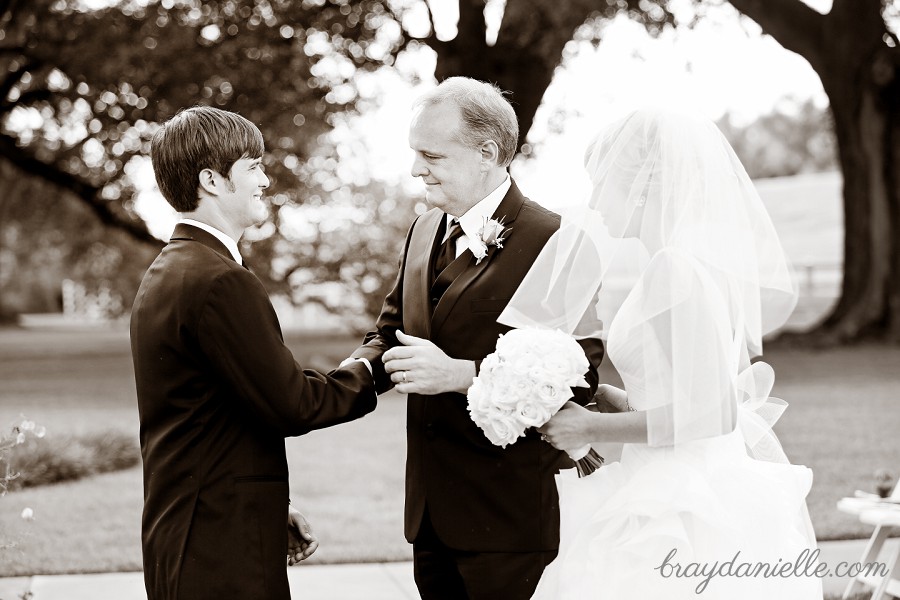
point(479, 497)
point(218, 391)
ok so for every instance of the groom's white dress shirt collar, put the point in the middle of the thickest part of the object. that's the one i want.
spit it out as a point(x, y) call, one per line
point(473, 219)
point(225, 239)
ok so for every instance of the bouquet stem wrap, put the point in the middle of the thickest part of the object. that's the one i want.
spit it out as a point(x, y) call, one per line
point(586, 460)
point(524, 382)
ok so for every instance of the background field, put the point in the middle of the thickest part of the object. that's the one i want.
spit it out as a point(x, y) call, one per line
point(842, 422)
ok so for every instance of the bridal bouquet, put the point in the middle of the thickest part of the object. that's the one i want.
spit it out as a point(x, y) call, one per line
point(524, 382)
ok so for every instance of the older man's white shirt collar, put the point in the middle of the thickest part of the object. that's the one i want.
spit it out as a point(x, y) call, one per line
point(474, 218)
point(222, 237)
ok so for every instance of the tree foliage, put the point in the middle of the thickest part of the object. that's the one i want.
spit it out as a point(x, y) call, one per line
point(793, 139)
point(82, 91)
point(47, 236)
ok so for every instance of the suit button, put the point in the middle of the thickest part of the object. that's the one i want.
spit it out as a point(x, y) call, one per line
point(429, 431)
point(434, 300)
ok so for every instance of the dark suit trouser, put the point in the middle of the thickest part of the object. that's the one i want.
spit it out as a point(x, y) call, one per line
point(443, 573)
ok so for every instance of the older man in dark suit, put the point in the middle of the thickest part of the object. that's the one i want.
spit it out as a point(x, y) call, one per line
point(217, 389)
point(483, 520)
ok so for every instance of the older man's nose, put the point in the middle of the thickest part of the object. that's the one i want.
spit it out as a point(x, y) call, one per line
point(419, 169)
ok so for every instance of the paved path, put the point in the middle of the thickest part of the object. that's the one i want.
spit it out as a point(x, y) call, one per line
point(376, 581)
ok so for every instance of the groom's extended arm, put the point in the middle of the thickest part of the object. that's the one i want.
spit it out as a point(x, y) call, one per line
point(390, 320)
point(239, 336)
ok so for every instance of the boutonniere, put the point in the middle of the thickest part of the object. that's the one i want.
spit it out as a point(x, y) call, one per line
point(492, 233)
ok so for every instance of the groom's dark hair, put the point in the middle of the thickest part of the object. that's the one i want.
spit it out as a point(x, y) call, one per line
point(198, 138)
point(486, 114)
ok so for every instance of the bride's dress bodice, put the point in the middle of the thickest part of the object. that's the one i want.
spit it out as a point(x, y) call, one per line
point(673, 344)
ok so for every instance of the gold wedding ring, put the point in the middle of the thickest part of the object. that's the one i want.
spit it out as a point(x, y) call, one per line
point(404, 376)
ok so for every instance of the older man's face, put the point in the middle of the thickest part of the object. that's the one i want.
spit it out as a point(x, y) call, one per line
point(453, 173)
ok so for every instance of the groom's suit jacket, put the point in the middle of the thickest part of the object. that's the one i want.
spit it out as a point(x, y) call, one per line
point(218, 391)
point(480, 497)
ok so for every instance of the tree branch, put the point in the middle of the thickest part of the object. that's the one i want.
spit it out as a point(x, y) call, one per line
point(792, 23)
point(431, 40)
point(5, 6)
point(10, 81)
point(29, 97)
point(433, 33)
point(471, 27)
point(84, 191)
point(869, 25)
point(7, 11)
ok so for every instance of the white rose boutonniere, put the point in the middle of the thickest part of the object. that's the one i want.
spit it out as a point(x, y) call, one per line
point(492, 233)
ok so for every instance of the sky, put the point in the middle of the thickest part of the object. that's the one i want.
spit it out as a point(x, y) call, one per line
point(721, 66)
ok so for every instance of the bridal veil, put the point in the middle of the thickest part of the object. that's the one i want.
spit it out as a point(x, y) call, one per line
point(674, 251)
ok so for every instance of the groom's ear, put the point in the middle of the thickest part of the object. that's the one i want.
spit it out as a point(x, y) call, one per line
point(207, 181)
point(490, 153)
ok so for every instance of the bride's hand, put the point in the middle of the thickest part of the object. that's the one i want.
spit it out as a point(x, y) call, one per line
point(568, 429)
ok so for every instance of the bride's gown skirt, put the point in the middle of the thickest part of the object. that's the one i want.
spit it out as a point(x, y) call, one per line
point(656, 523)
point(705, 503)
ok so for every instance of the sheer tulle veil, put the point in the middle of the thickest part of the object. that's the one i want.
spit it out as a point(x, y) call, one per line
point(672, 214)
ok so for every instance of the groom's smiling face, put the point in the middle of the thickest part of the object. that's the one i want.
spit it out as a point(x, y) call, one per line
point(452, 171)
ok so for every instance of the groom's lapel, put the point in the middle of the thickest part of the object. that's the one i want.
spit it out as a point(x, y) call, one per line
point(417, 275)
point(508, 210)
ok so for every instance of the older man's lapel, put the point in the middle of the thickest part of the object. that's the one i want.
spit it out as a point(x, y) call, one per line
point(417, 275)
point(464, 267)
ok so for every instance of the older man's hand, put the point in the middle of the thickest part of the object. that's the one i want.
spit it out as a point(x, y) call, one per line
point(420, 367)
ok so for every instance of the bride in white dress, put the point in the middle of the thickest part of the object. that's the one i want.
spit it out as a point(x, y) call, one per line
point(703, 502)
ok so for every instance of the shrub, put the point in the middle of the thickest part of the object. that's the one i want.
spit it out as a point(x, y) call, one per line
point(17, 435)
point(40, 461)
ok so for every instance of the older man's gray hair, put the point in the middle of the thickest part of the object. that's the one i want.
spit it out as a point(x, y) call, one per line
point(486, 114)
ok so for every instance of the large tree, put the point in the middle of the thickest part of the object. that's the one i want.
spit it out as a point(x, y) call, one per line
point(856, 55)
point(854, 52)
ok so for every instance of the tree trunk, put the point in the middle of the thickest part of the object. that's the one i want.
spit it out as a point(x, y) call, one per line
point(866, 110)
point(524, 58)
point(861, 75)
point(524, 78)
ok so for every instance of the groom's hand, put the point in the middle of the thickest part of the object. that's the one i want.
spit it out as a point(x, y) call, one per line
point(420, 367)
point(302, 542)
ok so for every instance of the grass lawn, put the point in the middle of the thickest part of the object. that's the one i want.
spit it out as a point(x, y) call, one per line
point(842, 422)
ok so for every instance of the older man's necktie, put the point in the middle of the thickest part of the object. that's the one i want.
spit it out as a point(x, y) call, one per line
point(447, 252)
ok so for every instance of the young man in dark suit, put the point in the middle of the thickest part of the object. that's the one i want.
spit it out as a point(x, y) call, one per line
point(483, 520)
point(218, 391)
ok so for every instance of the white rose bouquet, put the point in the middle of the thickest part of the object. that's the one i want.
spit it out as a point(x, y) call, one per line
point(524, 382)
